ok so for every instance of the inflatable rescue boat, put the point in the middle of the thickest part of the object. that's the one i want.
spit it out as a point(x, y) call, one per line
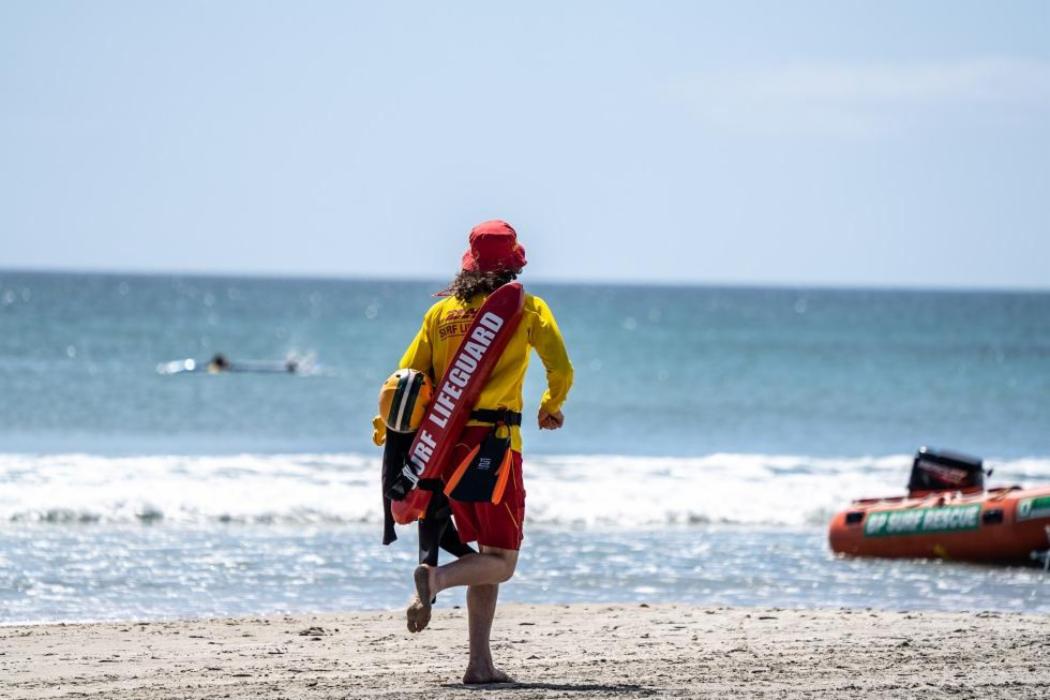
point(948, 514)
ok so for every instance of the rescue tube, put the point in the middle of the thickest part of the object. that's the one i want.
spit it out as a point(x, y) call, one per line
point(456, 393)
point(1006, 524)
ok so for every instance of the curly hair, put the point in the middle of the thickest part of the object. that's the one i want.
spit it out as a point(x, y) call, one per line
point(470, 283)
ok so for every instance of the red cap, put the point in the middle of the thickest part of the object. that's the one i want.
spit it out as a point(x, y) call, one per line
point(494, 246)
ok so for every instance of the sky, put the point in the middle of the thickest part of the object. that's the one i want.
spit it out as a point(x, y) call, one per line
point(804, 143)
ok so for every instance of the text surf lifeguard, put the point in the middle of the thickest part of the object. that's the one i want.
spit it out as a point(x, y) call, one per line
point(458, 377)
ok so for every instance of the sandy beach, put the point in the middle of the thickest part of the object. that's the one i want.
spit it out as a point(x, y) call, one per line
point(553, 652)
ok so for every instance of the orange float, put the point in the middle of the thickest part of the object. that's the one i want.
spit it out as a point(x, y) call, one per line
point(948, 514)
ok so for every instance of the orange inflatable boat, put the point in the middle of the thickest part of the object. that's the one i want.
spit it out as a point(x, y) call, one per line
point(948, 514)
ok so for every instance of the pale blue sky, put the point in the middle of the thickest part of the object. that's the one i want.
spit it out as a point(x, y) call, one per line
point(878, 143)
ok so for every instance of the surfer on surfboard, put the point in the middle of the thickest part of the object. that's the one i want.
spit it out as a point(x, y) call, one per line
point(482, 474)
point(220, 364)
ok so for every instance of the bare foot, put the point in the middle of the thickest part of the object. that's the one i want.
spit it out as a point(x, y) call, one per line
point(480, 675)
point(418, 612)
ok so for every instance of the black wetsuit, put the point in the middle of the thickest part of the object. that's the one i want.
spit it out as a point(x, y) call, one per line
point(436, 529)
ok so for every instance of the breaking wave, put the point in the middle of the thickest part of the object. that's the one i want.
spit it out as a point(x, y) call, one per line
point(565, 491)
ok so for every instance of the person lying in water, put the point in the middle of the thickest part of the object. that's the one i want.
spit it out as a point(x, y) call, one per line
point(219, 364)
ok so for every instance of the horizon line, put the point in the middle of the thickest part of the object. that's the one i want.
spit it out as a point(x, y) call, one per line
point(612, 282)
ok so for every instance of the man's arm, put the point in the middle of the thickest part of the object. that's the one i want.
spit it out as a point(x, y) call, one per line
point(550, 346)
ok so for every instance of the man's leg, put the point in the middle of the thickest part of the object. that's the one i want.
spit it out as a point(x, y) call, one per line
point(482, 574)
point(492, 566)
point(481, 610)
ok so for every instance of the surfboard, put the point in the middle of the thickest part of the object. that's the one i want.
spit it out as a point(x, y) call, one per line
point(456, 394)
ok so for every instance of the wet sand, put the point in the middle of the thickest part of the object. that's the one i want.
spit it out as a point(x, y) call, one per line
point(579, 651)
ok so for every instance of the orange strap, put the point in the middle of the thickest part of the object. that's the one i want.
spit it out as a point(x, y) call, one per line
point(504, 474)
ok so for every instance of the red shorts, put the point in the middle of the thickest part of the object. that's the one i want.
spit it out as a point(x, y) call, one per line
point(488, 524)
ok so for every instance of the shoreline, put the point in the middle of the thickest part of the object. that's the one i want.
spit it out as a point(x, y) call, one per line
point(623, 651)
point(454, 608)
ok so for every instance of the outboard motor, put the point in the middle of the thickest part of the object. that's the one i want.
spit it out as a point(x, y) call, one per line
point(942, 470)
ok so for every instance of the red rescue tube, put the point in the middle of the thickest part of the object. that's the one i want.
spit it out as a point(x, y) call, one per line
point(458, 391)
point(998, 525)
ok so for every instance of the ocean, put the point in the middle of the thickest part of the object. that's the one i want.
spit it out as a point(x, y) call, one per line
point(711, 433)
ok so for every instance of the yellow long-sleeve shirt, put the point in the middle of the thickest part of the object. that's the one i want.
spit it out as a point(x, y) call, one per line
point(446, 323)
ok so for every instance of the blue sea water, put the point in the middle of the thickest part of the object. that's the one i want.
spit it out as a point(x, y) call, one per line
point(724, 424)
point(670, 371)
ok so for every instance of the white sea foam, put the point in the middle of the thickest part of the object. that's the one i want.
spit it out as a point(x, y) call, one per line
point(623, 491)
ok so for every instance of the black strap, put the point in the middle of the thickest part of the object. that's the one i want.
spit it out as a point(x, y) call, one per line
point(496, 415)
point(431, 485)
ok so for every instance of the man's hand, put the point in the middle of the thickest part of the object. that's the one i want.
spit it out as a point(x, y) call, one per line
point(550, 421)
